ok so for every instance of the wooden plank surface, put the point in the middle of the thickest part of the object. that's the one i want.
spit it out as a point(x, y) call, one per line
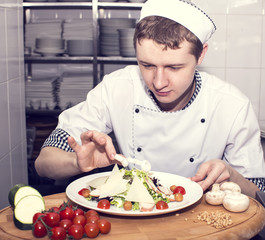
point(178, 225)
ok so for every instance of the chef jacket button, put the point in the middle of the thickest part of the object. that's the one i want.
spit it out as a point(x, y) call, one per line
point(139, 149)
point(203, 120)
point(137, 110)
point(191, 159)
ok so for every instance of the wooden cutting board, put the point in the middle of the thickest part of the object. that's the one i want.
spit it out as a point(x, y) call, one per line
point(178, 225)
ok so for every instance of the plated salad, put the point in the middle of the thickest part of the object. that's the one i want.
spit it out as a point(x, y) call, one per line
point(131, 190)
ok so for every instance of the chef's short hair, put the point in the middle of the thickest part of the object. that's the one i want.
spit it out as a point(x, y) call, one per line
point(166, 32)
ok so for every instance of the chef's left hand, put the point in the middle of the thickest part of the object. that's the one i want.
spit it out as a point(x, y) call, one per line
point(210, 172)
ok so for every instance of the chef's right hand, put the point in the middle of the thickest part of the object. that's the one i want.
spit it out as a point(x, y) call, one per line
point(96, 150)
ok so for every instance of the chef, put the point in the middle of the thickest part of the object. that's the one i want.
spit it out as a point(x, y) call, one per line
point(164, 110)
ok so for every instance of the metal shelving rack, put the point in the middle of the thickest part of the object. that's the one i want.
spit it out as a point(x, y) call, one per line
point(96, 60)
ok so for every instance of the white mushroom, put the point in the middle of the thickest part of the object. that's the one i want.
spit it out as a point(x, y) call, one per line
point(229, 187)
point(215, 196)
point(236, 202)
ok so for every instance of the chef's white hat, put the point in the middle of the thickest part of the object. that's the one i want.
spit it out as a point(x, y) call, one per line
point(185, 13)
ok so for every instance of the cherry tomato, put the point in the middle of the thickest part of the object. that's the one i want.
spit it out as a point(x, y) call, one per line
point(79, 219)
point(37, 216)
point(84, 192)
point(58, 233)
point(91, 213)
point(65, 204)
point(78, 211)
point(91, 230)
point(65, 223)
point(127, 205)
point(67, 213)
point(52, 219)
point(76, 231)
point(104, 204)
point(55, 209)
point(39, 230)
point(173, 187)
point(178, 197)
point(104, 226)
point(179, 189)
point(92, 219)
point(161, 205)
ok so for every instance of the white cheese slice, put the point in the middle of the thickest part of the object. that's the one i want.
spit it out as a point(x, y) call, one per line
point(95, 183)
point(138, 192)
point(114, 185)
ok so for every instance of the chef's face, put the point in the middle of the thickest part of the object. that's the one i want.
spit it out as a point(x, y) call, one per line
point(168, 73)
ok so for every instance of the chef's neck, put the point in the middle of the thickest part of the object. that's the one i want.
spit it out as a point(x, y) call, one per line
point(179, 103)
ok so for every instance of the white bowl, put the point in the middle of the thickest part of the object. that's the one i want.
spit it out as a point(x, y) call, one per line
point(57, 43)
point(80, 47)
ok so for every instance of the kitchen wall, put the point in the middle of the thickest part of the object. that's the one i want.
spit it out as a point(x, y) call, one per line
point(13, 162)
point(237, 49)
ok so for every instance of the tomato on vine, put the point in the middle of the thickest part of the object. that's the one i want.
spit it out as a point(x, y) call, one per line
point(57, 233)
point(91, 230)
point(65, 223)
point(39, 230)
point(92, 219)
point(52, 219)
point(104, 226)
point(79, 219)
point(78, 212)
point(55, 209)
point(37, 216)
point(76, 231)
point(91, 213)
point(67, 213)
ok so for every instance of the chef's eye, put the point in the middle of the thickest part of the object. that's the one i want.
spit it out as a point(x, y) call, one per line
point(173, 68)
point(147, 66)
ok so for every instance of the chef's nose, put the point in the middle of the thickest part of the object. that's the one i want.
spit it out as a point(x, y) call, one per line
point(160, 80)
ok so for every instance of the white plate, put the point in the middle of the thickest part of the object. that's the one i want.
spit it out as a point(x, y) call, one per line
point(49, 51)
point(193, 194)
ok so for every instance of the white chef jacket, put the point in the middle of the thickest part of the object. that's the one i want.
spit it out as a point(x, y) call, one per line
point(219, 124)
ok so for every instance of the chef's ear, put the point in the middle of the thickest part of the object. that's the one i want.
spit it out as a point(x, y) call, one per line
point(204, 50)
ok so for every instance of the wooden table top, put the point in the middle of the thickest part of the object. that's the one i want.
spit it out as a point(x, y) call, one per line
point(178, 225)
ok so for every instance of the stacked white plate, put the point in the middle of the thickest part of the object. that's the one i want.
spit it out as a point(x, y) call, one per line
point(78, 29)
point(41, 93)
point(42, 29)
point(109, 36)
point(126, 42)
point(48, 46)
point(80, 47)
point(74, 88)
